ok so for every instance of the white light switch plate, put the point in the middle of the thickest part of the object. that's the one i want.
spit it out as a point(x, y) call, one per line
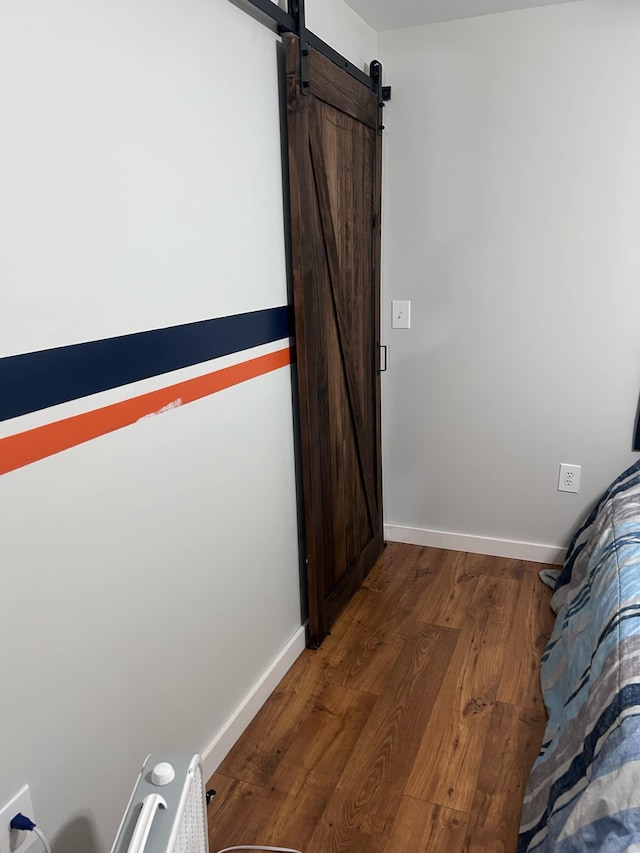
point(401, 314)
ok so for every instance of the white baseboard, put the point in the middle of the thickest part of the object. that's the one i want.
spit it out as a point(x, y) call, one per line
point(220, 746)
point(475, 544)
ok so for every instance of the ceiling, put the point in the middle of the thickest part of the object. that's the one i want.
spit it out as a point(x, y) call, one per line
point(395, 14)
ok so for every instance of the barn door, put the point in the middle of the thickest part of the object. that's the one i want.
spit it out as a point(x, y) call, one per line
point(334, 164)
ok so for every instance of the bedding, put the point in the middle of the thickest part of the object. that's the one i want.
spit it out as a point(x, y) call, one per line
point(584, 789)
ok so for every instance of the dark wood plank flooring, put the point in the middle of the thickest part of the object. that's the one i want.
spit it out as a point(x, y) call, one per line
point(412, 728)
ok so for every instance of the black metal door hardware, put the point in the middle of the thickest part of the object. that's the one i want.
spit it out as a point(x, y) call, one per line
point(293, 21)
point(382, 348)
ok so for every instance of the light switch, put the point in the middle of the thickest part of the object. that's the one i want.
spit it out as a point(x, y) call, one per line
point(400, 314)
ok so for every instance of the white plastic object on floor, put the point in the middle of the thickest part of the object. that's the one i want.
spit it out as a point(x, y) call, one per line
point(172, 822)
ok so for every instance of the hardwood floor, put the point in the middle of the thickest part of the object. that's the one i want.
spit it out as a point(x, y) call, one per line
point(412, 728)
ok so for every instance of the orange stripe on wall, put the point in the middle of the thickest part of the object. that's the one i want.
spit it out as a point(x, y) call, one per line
point(35, 444)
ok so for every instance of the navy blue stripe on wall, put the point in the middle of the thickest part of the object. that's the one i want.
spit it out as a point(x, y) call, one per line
point(37, 380)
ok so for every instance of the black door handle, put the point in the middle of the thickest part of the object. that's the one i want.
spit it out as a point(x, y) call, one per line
point(382, 347)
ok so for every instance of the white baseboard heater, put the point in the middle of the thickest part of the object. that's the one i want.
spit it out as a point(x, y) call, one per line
point(167, 812)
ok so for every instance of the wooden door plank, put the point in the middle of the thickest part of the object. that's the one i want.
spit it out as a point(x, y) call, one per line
point(319, 169)
point(377, 274)
point(426, 828)
point(514, 740)
point(333, 230)
point(358, 531)
point(306, 364)
point(317, 299)
point(331, 84)
point(341, 444)
point(348, 172)
point(360, 814)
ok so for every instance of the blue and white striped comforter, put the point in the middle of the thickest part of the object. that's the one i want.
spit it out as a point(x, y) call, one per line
point(584, 788)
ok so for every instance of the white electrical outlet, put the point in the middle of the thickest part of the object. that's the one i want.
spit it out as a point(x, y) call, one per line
point(11, 840)
point(569, 478)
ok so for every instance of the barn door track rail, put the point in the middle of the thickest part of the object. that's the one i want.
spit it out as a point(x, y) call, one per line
point(293, 21)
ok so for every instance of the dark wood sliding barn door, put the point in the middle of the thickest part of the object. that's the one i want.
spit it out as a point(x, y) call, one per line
point(335, 185)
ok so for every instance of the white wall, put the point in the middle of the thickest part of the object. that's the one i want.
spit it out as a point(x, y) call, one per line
point(511, 217)
point(412, 13)
point(344, 30)
point(149, 577)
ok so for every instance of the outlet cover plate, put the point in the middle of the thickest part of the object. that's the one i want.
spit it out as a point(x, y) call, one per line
point(12, 841)
point(569, 478)
point(401, 314)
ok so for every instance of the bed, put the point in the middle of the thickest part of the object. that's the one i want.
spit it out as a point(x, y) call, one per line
point(584, 789)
